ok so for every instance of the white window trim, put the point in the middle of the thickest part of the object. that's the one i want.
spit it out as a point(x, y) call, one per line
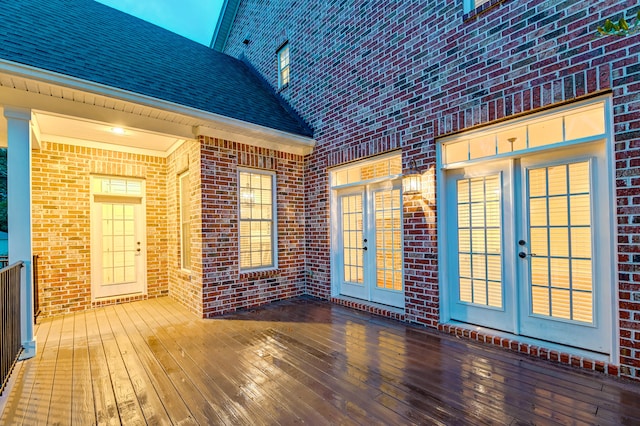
point(470, 5)
point(284, 46)
point(274, 220)
point(181, 177)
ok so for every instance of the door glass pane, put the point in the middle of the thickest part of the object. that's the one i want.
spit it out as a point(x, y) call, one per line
point(388, 222)
point(118, 243)
point(353, 263)
point(560, 234)
point(480, 240)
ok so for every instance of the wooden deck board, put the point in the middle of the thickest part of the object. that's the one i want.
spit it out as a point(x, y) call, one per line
point(268, 391)
point(299, 361)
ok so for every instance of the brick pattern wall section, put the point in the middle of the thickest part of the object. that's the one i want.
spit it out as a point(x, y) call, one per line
point(61, 221)
point(363, 73)
point(185, 286)
point(533, 350)
point(225, 288)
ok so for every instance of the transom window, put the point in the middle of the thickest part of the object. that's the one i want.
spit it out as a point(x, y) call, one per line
point(283, 65)
point(257, 220)
point(571, 126)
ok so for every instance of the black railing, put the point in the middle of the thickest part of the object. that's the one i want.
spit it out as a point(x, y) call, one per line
point(10, 347)
point(36, 296)
point(4, 261)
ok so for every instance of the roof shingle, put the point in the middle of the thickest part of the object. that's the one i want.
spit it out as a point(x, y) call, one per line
point(90, 41)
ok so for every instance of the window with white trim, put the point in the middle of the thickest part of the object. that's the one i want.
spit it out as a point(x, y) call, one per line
point(257, 220)
point(283, 65)
point(470, 5)
point(185, 221)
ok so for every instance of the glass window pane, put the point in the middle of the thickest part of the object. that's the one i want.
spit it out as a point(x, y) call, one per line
point(512, 140)
point(465, 290)
point(537, 182)
point(539, 241)
point(455, 152)
point(558, 211)
point(557, 180)
point(581, 275)
point(585, 122)
point(579, 178)
point(581, 242)
point(560, 273)
point(583, 306)
point(540, 271)
point(540, 300)
point(559, 242)
point(484, 146)
point(545, 132)
point(580, 210)
point(538, 212)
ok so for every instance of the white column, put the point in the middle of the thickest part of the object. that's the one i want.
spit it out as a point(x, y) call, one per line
point(19, 213)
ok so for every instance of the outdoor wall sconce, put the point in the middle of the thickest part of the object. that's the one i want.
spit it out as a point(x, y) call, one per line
point(412, 180)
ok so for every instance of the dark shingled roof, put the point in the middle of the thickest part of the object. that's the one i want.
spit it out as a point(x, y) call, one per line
point(88, 40)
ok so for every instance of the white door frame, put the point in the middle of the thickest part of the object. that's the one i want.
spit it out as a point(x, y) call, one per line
point(138, 201)
point(444, 223)
point(367, 188)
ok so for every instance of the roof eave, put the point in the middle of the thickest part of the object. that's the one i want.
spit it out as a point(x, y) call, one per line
point(223, 26)
point(214, 125)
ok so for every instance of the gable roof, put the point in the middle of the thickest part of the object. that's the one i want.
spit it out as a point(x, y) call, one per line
point(223, 26)
point(87, 40)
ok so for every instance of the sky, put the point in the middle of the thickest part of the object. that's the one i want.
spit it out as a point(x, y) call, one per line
point(194, 19)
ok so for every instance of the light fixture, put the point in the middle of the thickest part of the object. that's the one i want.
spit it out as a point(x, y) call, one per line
point(117, 130)
point(412, 180)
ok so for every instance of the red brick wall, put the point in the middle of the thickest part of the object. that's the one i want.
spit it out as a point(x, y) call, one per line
point(185, 286)
point(61, 220)
point(225, 288)
point(379, 75)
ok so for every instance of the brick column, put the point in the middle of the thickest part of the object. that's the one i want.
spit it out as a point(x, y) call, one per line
point(19, 214)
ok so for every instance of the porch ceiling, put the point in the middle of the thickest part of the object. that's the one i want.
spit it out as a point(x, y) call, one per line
point(77, 112)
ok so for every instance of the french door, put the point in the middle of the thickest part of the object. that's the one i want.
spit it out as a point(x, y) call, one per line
point(370, 243)
point(529, 250)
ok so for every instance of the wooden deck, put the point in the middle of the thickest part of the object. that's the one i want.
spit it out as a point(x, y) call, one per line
point(300, 361)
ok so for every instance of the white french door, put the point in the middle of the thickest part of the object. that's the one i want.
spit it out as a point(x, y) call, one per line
point(479, 261)
point(370, 243)
point(564, 255)
point(528, 251)
point(118, 261)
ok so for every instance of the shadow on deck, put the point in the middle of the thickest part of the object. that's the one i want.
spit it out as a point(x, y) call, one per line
point(296, 361)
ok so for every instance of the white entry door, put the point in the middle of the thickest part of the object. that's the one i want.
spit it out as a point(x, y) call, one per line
point(118, 235)
point(524, 252)
point(370, 241)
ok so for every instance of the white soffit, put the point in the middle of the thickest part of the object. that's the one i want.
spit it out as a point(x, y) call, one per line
point(152, 122)
point(55, 128)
